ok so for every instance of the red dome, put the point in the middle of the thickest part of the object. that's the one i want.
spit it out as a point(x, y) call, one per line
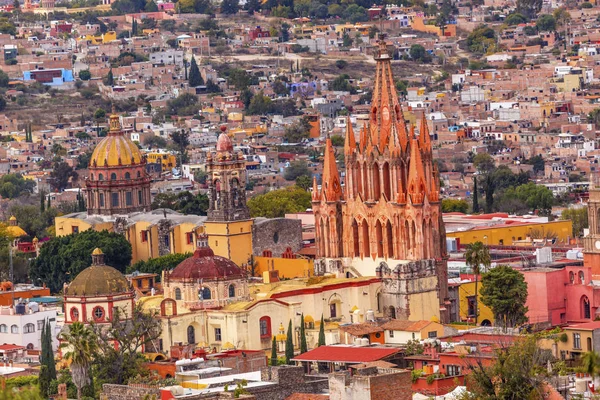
point(205, 265)
point(224, 143)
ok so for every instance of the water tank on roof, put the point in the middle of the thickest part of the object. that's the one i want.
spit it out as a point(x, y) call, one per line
point(364, 342)
point(370, 315)
point(20, 308)
point(34, 307)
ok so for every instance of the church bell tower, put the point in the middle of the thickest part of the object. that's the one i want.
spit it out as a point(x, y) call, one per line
point(229, 227)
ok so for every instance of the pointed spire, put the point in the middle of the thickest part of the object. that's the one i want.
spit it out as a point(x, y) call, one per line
point(331, 189)
point(424, 138)
point(386, 113)
point(350, 144)
point(315, 189)
point(363, 138)
point(417, 188)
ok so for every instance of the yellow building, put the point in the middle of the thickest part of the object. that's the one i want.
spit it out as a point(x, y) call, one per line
point(573, 340)
point(107, 37)
point(502, 230)
point(466, 301)
point(167, 160)
point(286, 267)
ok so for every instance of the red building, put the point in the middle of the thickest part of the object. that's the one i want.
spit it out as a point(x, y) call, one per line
point(258, 33)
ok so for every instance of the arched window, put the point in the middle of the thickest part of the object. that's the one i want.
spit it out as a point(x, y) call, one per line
point(100, 177)
point(265, 327)
point(206, 293)
point(127, 175)
point(139, 174)
point(572, 277)
point(3, 328)
point(74, 314)
point(581, 277)
point(14, 329)
point(177, 294)
point(98, 313)
point(392, 312)
point(232, 290)
point(29, 328)
point(191, 334)
point(585, 308)
point(113, 177)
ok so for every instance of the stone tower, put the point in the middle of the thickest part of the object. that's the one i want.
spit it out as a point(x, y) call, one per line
point(387, 220)
point(118, 183)
point(229, 227)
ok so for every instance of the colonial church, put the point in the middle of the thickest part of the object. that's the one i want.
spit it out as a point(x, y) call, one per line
point(118, 200)
point(386, 220)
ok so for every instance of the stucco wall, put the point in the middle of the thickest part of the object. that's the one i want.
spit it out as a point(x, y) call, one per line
point(276, 235)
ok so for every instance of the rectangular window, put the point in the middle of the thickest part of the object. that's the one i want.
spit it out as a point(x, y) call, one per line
point(101, 199)
point(74, 229)
point(576, 341)
point(115, 199)
point(391, 333)
point(333, 310)
point(40, 324)
point(452, 370)
point(144, 235)
point(432, 334)
point(128, 199)
point(471, 306)
point(139, 197)
point(189, 237)
point(218, 334)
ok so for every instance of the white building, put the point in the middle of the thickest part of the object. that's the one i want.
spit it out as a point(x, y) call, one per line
point(167, 57)
point(22, 326)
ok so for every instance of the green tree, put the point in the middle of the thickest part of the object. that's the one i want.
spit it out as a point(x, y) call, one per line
point(48, 366)
point(14, 185)
point(289, 344)
point(342, 84)
point(61, 174)
point(274, 352)
point(150, 6)
point(230, 6)
point(341, 64)
point(476, 257)
point(579, 218)
point(454, 205)
point(475, 196)
point(515, 19)
point(110, 80)
point(42, 201)
point(120, 343)
point(529, 8)
point(538, 163)
point(532, 196)
point(184, 202)
point(4, 79)
point(195, 79)
point(277, 203)
point(484, 163)
point(63, 257)
point(303, 345)
point(159, 264)
point(297, 169)
point(154, 142)
point(82, 346)
point(481, 39)
point(513, 375)
point(260, 105)
point(321, 341)
point(181, 139)
point(418, 53)
point(546, 23)
point(303, 182)
point(85, 75)
point(298, 131)
point(590, 362)
point(504, 291)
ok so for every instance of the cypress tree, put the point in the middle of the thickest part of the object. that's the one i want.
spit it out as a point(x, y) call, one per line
point(185, 68)
point(44, 381)
point(195, 77)
point(50, 362)
point(110, 79)
point(475, 196)
point(274, 352)
point(134, 28)
point(321, 341)
point(289, 344)
point(49, 202)
point(489, 194)
point(303, 346)
point(42, 201)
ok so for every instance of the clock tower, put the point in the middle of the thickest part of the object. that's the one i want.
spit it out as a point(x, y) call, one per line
point(591, 243)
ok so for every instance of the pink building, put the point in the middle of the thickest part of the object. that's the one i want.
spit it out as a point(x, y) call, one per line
point(561, 295)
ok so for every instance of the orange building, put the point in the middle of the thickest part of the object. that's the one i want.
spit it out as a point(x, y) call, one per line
point(387, 219)
point(21, 292)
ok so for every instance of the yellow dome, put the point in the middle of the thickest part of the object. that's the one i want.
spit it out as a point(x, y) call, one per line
point(115, 149)
point(13, 218)
point(98, 280)
point(97, 252)
point(228, 346)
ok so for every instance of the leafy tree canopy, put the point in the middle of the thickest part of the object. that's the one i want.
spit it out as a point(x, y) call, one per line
point(297, 169)
point(63, 257)
point(158, 264)
point(14, 185)
point(454, 205)
point(504, 291)
point(183, 202)
point(579, 218)
point(277, 203)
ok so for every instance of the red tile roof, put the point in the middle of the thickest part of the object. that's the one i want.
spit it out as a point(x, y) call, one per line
point(10, 347)
point(348, 354)
point(587, 326)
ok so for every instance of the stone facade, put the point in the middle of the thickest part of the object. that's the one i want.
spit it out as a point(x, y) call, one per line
point(276, 236)
point(390, 210)
point(368, 384)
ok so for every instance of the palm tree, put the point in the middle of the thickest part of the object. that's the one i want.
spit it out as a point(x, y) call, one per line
point(82, 345)
point(590, 363)
point(477, 255)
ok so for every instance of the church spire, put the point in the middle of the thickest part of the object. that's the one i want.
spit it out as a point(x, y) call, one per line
point(350, 145)
point(424, 138)
point(386, 112)
point(417, 188)
point(331, 189)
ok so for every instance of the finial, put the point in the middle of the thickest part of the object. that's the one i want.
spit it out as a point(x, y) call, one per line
point(113, 109)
